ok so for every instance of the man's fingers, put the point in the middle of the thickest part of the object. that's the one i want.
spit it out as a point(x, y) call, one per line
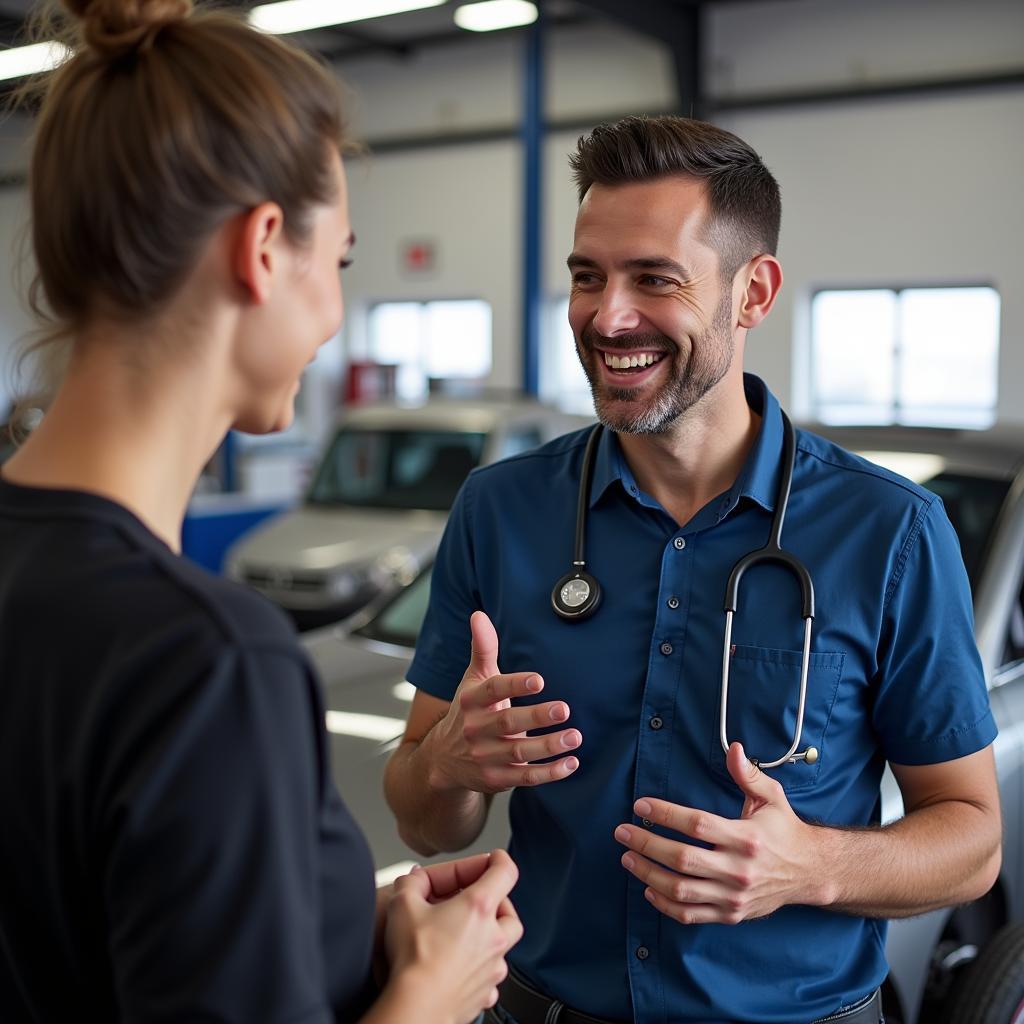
point(702, 825)
point(533, 774)
point(682, 858)
point(689, 913)
point(523, 749)
point(496, 688)
point(674, 887)
point(484, 660)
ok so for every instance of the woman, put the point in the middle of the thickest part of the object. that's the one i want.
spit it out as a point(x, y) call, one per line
point(173, 848)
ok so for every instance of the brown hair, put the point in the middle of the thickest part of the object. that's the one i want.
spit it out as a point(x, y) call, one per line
point(162, 125)
point(743, 197)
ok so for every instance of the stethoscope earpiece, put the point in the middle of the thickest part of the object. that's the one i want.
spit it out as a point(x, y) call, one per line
point(576, 595)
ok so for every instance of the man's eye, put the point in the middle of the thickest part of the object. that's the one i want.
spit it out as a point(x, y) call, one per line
point(582, 278)
point(344, 264)
point(656, 282)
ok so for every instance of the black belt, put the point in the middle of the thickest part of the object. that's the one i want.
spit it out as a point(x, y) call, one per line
point(529, 1006)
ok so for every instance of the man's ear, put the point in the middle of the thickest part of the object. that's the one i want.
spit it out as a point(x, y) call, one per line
point(762, 280)
point(255, 255)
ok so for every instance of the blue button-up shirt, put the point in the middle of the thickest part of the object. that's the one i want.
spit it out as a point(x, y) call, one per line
point(894, 675)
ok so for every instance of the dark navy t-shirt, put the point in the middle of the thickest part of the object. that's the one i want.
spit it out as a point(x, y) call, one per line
point(172, 847)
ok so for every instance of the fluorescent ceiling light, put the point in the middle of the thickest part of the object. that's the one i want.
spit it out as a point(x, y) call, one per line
point(31, 60)
point(495, 14)
point(302, 15)
point(366, 727)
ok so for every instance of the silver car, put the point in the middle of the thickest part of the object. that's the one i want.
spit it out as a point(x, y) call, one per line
point(379, 500)
point(958, 965)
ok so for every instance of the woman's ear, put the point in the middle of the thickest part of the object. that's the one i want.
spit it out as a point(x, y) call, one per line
point(255, 256)
point(763, 280)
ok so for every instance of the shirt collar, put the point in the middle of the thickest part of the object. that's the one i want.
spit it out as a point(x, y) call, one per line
point(758, 480)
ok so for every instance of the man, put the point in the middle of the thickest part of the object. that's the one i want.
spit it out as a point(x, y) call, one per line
point(642, 845)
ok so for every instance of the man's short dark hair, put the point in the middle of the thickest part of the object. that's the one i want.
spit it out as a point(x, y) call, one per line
point(743, 197)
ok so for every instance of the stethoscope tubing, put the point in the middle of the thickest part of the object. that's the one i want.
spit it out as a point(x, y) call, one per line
point(577, 594)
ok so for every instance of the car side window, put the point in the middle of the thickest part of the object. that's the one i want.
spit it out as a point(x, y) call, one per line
point(1014, 648)
point(520, 439)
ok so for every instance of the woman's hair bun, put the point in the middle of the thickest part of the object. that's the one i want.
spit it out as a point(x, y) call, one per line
point(115, 28)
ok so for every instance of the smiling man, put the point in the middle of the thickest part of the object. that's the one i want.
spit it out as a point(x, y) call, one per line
point(664, 875)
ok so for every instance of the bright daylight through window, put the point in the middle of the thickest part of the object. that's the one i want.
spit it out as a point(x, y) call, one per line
point(917, 356)
point(562, 380)
point(441, 341)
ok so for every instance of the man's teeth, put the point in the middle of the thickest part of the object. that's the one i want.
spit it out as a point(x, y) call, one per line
point(630, 362)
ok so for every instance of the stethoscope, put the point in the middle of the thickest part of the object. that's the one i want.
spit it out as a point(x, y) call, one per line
point(577, 594)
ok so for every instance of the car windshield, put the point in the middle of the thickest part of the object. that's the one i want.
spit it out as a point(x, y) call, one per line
point(972, 504)
point(398, 469)
point(399, 621)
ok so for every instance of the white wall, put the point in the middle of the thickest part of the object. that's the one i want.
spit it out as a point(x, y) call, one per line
point(910, 191)
point(914, 190)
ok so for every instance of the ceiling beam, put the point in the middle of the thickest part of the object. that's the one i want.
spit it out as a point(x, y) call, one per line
point(678, 26)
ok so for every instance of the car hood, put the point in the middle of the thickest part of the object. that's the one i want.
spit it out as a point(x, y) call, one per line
point(318, 540)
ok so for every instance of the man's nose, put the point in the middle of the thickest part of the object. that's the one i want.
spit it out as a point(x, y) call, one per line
point(616, 313)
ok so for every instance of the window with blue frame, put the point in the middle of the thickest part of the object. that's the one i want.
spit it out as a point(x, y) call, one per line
point(916, 356)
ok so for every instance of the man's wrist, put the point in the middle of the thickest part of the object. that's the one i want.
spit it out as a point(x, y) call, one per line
point(825, 853)
point(433, 760)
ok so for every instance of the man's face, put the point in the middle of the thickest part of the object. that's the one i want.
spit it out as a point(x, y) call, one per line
point(652, 318)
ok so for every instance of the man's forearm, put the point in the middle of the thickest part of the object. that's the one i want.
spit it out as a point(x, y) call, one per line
point(941, 855)
point(431, 818)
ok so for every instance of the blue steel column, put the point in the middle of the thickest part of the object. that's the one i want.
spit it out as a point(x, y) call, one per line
point(228, 468)
point(533, 155)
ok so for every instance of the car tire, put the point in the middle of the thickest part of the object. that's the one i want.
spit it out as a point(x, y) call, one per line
point(991, 990)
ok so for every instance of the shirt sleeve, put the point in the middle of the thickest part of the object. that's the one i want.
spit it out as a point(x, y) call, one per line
point(208, 838)
point(931, 700)
point(444, 644)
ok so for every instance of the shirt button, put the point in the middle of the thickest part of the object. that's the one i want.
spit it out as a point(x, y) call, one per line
point(646, 822)
point(642, 953)
point(673, 603)
point(680, 543)
point(666, 649)
point(656, 722)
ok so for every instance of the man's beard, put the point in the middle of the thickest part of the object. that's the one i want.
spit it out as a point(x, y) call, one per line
point(710, 357)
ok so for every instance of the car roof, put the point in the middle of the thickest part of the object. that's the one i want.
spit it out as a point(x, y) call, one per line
point(444, 414)
point(997, 452)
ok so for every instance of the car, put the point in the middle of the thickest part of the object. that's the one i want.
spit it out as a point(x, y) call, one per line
point(379, 500)
point(956, 965)
point(362, 663)
point(966, 964)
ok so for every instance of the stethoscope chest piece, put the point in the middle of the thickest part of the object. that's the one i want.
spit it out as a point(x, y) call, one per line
point(576, 595)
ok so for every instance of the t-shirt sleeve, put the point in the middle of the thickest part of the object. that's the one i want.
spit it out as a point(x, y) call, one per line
point(444, 643)
point(931, 702)
point(207, 834)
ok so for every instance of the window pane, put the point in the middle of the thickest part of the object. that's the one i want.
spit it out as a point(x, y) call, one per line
point(458, 338)
point(949, 356)
point(853, 336)
point(562, 379)
point(395, 332)
point(396, 338)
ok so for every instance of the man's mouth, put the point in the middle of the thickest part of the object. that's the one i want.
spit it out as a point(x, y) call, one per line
point(632, 362)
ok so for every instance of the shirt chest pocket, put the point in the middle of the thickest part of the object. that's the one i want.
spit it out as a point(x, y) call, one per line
point(764, 690)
